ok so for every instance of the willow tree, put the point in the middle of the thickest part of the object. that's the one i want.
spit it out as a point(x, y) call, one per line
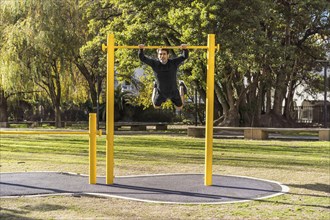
point(40, 41)
point(13, 80)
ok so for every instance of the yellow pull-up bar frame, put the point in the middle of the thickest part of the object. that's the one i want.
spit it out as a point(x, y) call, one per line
point(104, 47)
point(110, 48)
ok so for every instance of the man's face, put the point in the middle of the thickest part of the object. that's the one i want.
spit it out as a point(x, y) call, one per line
point(163, 56)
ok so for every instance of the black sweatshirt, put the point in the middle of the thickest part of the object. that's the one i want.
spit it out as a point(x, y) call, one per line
point(165, 74)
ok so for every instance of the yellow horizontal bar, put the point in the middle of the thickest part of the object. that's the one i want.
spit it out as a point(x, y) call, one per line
point(44, 132)
point(156, 47)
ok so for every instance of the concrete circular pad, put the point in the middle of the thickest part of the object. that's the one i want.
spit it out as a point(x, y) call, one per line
point(164, 188)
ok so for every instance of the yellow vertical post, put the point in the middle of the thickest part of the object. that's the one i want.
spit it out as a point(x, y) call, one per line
point(92, 148)
point(209, 109)
point(110, 108)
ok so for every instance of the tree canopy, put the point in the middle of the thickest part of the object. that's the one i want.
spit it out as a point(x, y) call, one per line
point(268, 48)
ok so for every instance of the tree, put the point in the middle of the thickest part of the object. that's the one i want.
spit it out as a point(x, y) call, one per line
point(267, 48)
point(264, 48)
point(295, 28)
point(13, 80)
point(89, 58)
point(41, 43)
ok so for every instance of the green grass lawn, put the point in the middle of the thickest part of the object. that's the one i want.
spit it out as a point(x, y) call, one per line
point(301, 165)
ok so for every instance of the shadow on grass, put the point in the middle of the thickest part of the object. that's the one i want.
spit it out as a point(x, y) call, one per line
point(296, 204)
point(320, 187)
point(24, 210)
point(14, 214)
point(44, 207)
point(316, 187)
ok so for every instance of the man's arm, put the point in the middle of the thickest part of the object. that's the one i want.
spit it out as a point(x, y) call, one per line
point(143, 58)
point(185, 52)
point(183, 56)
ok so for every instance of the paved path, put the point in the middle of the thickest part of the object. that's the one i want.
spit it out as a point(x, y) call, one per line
point(164, 188)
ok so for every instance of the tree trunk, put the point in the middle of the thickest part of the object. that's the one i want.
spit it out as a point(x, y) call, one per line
point(91, 80)
point(255, 122)
point(282, 79)
point(58, 118)
point(268, 100)
point(219, 98)
point(3, 109)
point(279, 95)
point(52, 85)
point(289, 112)
point(231, 118)
point(249, 103)
point(230, 115)
point(217, 106)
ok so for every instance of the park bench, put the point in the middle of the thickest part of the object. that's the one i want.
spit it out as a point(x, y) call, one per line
point(141, 126)
point(52, 123)
point(32, 124)
point(29, 124)
point(258, 133)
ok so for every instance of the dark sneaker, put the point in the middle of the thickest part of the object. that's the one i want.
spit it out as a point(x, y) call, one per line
point(185, 90)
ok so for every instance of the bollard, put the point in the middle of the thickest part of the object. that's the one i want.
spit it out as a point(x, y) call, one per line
point(92, 148)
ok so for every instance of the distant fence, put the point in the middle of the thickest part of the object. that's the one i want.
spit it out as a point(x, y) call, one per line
point(311, 114)
point(303, 115)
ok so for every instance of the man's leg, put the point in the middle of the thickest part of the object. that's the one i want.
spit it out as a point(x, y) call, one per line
point(157, 98)
point(178, 108)
point(154, 93)
point(154, 96)
point(182, 90)
point(177, 100)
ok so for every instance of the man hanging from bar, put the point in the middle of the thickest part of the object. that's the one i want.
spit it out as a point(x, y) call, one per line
point(165, 72)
